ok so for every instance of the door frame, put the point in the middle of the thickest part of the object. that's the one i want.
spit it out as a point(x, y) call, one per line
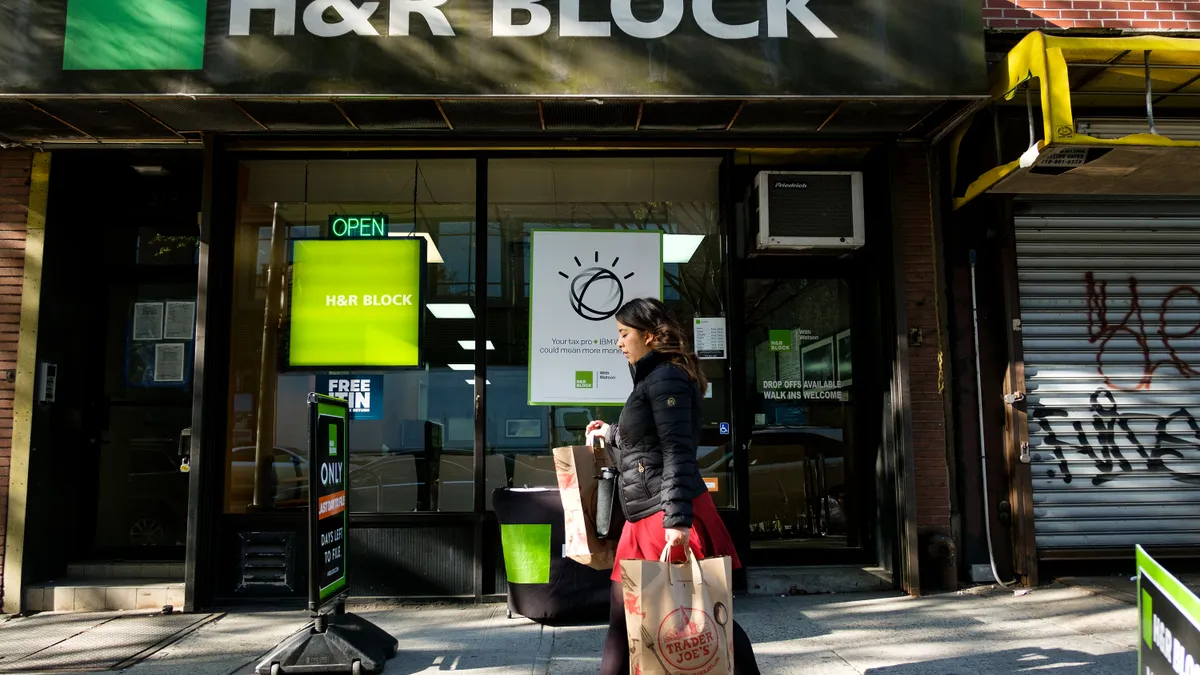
point(785, 267)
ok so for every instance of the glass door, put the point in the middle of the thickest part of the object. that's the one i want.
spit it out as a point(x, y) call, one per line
point(801, 452)
point(144, 396)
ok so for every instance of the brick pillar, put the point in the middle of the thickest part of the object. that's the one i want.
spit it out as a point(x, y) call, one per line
point(925, 304)
point(15, 170)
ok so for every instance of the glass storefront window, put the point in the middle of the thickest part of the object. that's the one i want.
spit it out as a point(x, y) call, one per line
point(413, 450)
point(676, 196)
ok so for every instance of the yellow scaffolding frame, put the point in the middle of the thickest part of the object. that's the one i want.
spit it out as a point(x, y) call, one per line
point(1118, 64)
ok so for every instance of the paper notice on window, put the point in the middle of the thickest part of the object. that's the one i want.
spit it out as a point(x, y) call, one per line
point(168, 362)
point(180, 321)
point(710, 337)
point(147, 321)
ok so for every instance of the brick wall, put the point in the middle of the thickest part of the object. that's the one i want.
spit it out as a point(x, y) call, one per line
point(1137, 15)
point(15, 167)
point(914, 238)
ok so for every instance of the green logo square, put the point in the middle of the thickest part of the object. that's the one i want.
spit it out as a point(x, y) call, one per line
point(526, 553)
point(1147, 619)
point(781, 340)
point(333, 440)
point(585, 379)
point(135, 35)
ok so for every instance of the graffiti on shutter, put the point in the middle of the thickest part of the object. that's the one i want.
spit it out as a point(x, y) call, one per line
point(1111, 333)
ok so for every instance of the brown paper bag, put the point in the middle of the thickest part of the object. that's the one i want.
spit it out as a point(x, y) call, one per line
point(576, 468)
point(679, 617)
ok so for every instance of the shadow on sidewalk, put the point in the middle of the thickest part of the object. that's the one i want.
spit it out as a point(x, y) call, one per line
point(1029, 660)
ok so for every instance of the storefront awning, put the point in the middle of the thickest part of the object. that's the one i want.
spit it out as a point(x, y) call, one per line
point(58, 121)
point(1116, 116)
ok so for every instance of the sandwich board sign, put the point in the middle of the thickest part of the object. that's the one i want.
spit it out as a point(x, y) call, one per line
point(1168, 622)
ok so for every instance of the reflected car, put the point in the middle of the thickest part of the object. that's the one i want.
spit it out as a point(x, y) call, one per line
point(796, 481)
point(287, 485)
point(156, 497)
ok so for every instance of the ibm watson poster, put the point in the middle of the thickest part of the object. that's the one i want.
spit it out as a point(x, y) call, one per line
point(580, 279)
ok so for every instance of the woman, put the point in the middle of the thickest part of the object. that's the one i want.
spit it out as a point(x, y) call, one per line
point(654, 443)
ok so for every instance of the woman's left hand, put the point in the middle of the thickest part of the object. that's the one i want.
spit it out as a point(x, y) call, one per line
point(677, 536)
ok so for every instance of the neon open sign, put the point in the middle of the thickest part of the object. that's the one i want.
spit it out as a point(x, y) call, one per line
point(358, 227)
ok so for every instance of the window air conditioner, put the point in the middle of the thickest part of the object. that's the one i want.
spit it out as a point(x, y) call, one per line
point(800, 210)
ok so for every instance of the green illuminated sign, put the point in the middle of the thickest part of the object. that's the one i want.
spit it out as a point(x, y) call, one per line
point(356, 303)
point(358, 227)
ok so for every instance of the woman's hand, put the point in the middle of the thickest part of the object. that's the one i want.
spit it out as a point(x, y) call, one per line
point(678, 536)
point(596, 428)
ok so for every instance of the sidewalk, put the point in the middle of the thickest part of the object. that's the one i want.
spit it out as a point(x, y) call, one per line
point(1068, 631)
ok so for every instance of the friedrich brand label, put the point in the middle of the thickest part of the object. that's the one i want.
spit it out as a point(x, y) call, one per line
point(792, 186)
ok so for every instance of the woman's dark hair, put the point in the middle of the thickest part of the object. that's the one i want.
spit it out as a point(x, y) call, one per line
point(650, 316)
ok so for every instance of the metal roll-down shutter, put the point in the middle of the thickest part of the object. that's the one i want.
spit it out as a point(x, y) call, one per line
point(1110, 310)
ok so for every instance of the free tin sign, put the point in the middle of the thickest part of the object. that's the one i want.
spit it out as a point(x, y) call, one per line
point(362, 393)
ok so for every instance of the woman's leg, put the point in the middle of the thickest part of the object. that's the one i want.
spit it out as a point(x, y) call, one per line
point(744, 662)
point(616, 645)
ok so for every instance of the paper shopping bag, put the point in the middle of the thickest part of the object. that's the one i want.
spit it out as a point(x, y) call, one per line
point(679, 617)
point(577, 468)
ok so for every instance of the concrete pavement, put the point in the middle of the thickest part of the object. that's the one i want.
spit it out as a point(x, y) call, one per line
point(981, 632)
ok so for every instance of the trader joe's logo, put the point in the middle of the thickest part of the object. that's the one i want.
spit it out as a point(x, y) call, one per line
point(688, 640)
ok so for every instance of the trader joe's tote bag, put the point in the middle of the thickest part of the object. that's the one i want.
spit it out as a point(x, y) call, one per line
point(679, 616)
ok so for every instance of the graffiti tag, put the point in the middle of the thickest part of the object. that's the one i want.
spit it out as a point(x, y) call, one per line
point(1100, 442)
point(1102, 330)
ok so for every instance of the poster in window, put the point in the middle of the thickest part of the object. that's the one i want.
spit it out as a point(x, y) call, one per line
point(180, 321)
point(147, 321)
point(709, 340)
point(845, 359)
point(580, 279)
point(169, 362)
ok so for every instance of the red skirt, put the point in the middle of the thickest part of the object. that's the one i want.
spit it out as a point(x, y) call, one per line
point(645, 539)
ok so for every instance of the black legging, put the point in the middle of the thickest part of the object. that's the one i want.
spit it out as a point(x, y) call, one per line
point(616, 644)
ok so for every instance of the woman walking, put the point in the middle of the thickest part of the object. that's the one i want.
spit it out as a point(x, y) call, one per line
point(654, 445)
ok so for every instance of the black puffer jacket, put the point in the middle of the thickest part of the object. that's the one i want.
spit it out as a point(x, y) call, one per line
point(654, 444)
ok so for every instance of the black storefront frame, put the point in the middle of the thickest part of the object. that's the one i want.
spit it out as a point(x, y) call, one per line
point(208, 571)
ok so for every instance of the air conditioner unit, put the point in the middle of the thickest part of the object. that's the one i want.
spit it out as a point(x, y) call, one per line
point(800, 210)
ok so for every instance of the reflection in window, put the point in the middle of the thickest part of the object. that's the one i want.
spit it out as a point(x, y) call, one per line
point(801, 454)
point(678, 197)
point(414, 451)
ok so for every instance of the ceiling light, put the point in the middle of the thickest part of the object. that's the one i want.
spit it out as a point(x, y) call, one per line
point(1120, 127)
point(451, 311)
point(679, 248)
point(147, 170)
point(432, 254)
point(461, 366)
point(472, 382)
point(470, 344)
